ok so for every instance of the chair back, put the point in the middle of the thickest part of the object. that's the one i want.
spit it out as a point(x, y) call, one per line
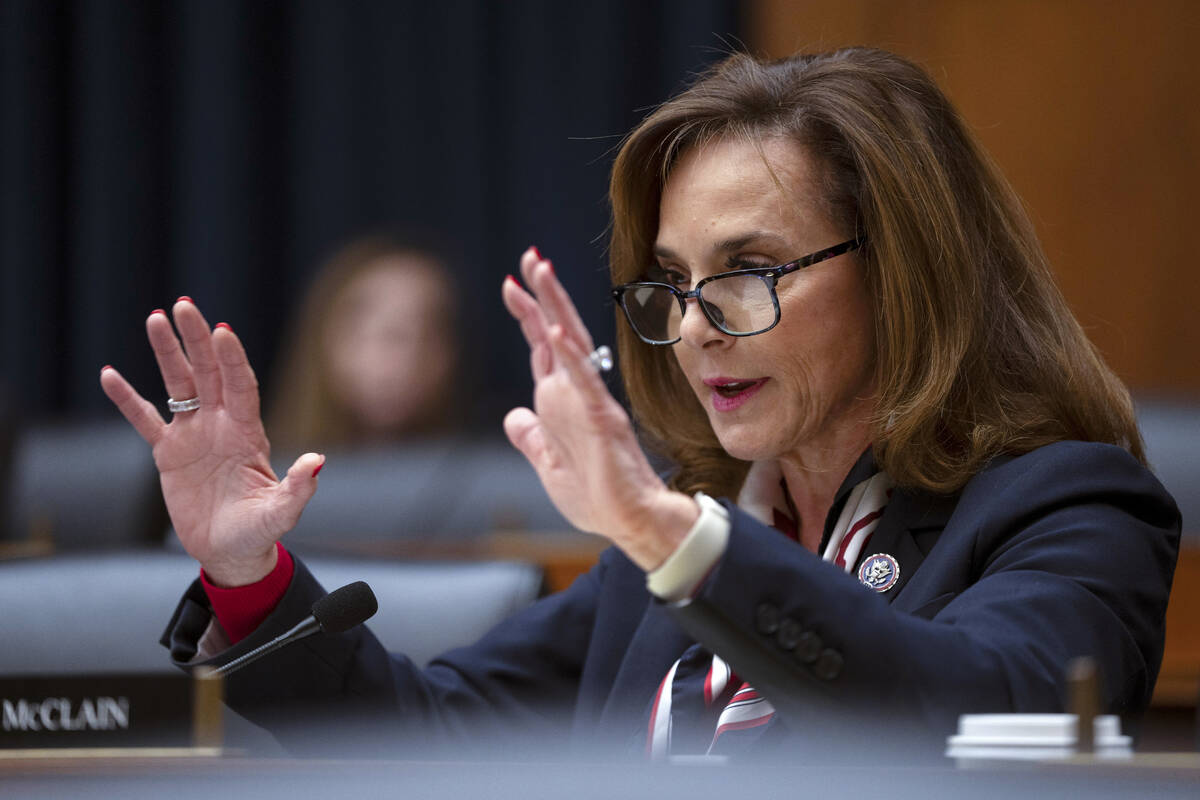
point(84, 486)
point(78, 613)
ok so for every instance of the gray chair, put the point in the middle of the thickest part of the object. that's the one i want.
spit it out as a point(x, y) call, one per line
point(105, 612)
point(84, 486)
point(99, 613)
point(426, 608)
point(1171, 431)
point(441, 490)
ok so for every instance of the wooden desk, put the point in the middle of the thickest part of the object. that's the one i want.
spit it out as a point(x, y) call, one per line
point(1179, 680)
point(563, 556)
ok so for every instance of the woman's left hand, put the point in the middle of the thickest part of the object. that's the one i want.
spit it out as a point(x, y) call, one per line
point(578, 438)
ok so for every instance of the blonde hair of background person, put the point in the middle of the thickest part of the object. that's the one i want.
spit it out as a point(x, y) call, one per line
point(373, 356)
point(977, 352)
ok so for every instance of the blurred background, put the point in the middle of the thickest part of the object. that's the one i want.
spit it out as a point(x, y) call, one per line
point(223, 149)
point(226, 149)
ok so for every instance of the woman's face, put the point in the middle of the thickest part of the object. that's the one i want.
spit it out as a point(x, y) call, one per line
point(803, 390)
point(387, 345)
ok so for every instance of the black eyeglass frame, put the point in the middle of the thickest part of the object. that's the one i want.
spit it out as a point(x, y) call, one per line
point(769, 275)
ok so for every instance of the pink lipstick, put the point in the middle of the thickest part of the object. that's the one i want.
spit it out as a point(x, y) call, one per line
point(731, 393)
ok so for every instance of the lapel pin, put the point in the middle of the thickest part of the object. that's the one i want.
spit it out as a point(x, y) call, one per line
point(879, 572)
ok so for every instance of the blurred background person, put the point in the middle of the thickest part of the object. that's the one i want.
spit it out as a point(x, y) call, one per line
point(373, 355)
point(373, 373)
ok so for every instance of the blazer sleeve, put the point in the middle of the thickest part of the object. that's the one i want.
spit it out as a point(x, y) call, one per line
point(517, 684)
point(1066, 551)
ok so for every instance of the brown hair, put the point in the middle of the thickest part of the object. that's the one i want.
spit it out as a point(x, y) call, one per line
point(977, 353)
point(305, 414)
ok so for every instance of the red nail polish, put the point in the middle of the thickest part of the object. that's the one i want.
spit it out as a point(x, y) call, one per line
point(516, 280)
point(158, 311)
point(225, 326)
point(320, 467)
point(550, 265)
point(537, 253)
point(185, 299)
point(106, 366)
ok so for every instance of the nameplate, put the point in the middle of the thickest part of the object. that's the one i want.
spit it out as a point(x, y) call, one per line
point(148, 710)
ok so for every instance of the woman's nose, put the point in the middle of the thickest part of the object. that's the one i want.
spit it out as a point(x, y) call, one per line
point(695, 330)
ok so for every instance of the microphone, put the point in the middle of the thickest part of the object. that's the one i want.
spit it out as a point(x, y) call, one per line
point(336, 612)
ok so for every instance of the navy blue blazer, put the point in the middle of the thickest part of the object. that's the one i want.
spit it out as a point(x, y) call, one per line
point(1066, 551)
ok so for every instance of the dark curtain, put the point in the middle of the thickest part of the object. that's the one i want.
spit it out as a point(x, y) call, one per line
point(221, 149)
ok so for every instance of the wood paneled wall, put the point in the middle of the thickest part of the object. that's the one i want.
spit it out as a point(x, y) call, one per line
point(1093, 111)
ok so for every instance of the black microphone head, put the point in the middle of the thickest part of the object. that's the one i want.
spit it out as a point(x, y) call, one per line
point(343, 608)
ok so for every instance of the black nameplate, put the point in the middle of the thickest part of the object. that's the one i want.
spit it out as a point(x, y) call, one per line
point(96, 711)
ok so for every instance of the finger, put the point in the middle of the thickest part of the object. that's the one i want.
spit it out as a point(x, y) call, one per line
point(558, 307)
point(524, 431)
point(296, 489)
point(525, 310)
point(142, 415)
point(584, 375)
point(197, 338)
point(172, 363)
point(532, 270)
point(541, 361)
point(529, 259)
point(238, 382)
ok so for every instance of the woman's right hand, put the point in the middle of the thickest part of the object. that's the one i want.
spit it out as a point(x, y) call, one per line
point(225, 502)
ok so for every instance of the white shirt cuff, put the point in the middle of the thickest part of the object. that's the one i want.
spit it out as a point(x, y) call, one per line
point(212, 643)
point(696, 555)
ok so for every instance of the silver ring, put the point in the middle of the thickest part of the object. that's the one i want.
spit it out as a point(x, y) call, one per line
point(601, 358)
point(175, 406)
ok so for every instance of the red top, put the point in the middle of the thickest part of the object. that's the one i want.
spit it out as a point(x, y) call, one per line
point(243, 608)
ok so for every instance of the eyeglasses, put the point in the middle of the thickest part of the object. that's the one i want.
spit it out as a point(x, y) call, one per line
point(741, 302)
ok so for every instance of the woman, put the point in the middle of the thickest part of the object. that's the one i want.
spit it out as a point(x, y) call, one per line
point(839, 315)
point(373, 354)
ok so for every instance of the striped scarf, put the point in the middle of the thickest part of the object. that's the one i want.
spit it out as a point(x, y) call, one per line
point(678, 722)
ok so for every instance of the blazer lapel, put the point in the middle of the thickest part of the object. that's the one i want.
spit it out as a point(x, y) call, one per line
point(911, 517)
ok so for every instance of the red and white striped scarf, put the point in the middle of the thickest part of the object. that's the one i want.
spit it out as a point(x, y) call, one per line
point(764, 497)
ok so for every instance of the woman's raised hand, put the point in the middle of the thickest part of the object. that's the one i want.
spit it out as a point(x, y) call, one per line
point(225, 502)
point(578, 438)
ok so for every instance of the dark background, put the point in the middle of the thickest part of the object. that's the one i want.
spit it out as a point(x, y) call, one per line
point(223, 149)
